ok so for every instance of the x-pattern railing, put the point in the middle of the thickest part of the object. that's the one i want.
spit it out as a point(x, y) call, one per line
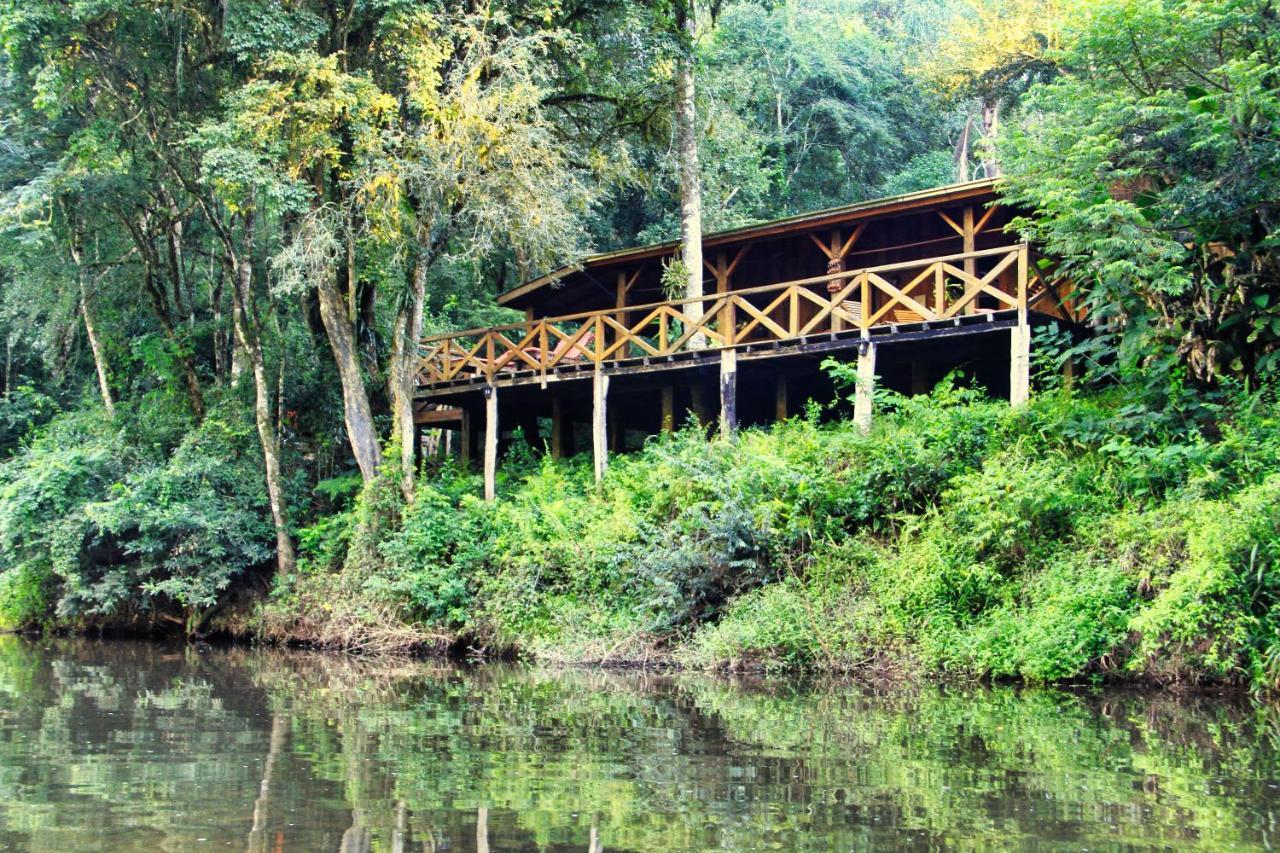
point(931, 289)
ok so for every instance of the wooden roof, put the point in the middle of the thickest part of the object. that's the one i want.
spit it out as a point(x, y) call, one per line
point(920, 200)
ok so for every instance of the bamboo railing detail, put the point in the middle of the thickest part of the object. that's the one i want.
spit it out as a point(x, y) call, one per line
point(932, 289)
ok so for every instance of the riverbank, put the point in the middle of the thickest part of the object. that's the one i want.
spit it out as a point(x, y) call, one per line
point(1113, 535)
point(1082, 537)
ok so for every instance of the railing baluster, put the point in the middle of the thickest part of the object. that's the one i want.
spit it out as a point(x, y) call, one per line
point(477, 352)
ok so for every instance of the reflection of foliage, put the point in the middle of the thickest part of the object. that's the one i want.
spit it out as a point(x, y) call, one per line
point(672, 763)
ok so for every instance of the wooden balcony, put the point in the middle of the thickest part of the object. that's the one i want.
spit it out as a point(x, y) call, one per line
point(931, 295)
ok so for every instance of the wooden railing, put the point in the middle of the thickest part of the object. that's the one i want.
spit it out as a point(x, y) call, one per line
point(927, 290)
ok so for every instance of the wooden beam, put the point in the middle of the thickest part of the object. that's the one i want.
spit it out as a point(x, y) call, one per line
point(728, 392)
point(599, 421)
point(922, 202)
point(737, 259)
point(954, 225)
point(490, 443)
point(986, 217)
point(780, 397)
point(668, 408)
point(969, 234)
point(853, 238)
point(438, 416)
point(865, 389)
point(826, 250)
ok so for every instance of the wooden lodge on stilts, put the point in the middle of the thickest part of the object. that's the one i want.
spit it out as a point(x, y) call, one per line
point(911, 287)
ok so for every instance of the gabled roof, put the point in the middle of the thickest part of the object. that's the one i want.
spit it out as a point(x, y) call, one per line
point(790, 224)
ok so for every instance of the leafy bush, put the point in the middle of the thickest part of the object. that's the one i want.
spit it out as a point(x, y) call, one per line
point(108, 526)
point(185, 528)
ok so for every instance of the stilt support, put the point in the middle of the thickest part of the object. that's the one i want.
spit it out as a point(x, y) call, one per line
point(599, 420)
point(866, 386)
point(668, 408)
point(558, 427)
point(920, 377)
point(780, 397)
point(698, 402)
point(490, 443)
point(728, 392)
point(466, 452)
point(1020, 365)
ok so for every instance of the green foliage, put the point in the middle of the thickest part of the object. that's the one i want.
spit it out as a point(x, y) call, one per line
point(117, 530)
point(185, 529)
point(1158, 189)
point(1080, 536)
point(25, 597)
point(430, 563)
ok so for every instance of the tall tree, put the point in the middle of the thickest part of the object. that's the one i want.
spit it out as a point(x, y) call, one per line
point(989, 52)
point(1151, 166)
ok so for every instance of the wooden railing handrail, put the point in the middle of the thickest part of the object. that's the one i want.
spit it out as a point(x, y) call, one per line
point(714, 297)
point(860, 299)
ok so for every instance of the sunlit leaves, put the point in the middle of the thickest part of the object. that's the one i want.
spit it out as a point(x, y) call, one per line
point(1151, 165)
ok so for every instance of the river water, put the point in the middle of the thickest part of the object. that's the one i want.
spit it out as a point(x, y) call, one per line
point(131, 746)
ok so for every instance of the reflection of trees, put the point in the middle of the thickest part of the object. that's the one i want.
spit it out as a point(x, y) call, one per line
point(327, 752)
point(258, 834)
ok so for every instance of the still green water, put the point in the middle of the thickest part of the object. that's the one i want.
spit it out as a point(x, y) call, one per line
point(132, 746)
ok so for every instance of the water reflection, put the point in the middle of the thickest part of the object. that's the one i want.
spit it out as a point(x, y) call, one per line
point(114, 745)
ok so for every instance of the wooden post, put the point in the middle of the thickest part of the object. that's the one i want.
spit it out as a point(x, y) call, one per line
point(668, 408)
point(780, 397)
point(865, 386)
point(1020, 364)
point(919, 377)
point(970, 264)
point(728, 392)
point(1020, 339)
point(557, 429)
point(620, 302)
point(465, 451)
point(490, 442)
point(698, 402)
point(599, 419)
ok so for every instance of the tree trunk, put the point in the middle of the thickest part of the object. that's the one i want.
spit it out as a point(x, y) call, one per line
point(99, 357)
point(220, 340)
point(355, 399)
point(990, 127)
point(404, 351)
point(961, 153)
point(248, 330)
point(687, 154)
point(151, 265)
point(258, 833)
point(8, 366)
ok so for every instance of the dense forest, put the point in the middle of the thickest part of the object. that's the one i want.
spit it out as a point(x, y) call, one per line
point(225, 226)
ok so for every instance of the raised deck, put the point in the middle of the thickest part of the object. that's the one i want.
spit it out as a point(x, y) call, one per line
point(932, 297)
point(633, 362)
